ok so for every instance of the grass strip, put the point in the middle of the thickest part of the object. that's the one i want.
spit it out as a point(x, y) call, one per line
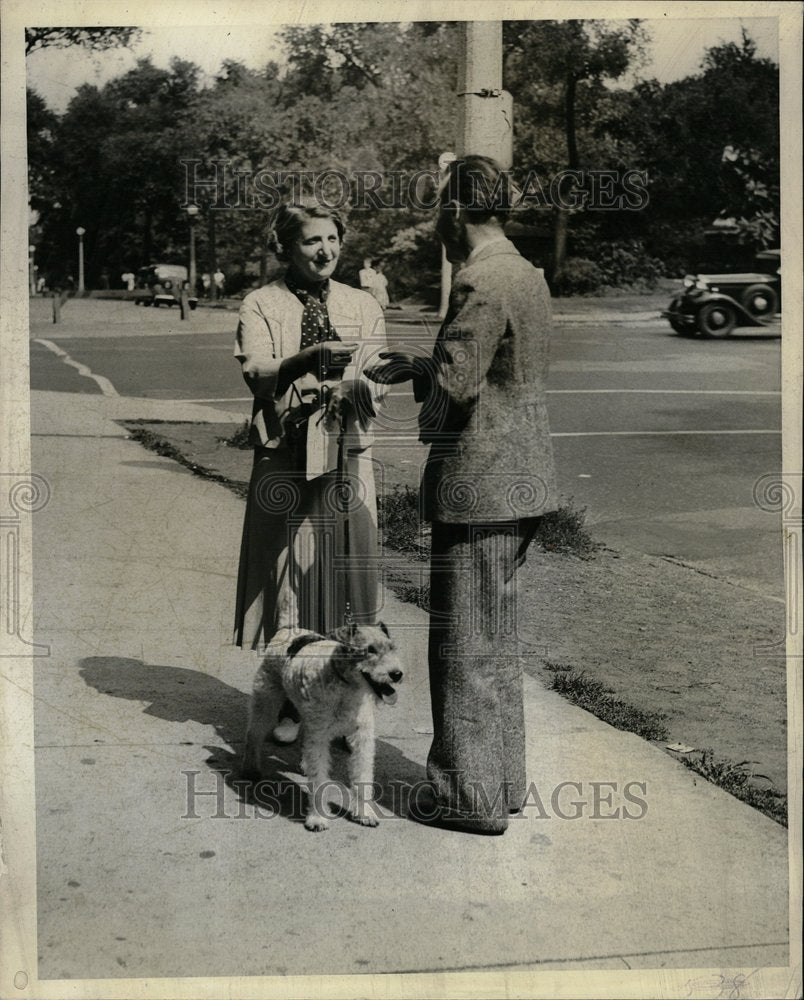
point(738, 779)
point(593, 696)
point(167, 449)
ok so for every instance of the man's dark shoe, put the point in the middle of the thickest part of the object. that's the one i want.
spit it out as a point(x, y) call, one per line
point(424, 808)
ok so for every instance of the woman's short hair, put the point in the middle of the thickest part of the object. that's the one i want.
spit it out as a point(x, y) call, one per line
point(289, 219)
point(481, 186)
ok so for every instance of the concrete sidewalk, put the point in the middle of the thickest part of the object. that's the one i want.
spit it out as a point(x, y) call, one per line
point(142, 699)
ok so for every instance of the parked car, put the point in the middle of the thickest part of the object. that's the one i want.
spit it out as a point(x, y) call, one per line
point(712, 305)
point(162, 284)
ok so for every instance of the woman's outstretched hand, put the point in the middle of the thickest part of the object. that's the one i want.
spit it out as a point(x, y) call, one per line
point(329, 357)
point(326, 359)
point(401, 366)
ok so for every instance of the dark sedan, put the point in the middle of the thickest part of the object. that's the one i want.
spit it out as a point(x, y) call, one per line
point(712, 305)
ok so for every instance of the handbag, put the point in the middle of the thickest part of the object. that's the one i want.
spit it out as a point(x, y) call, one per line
point(312, 445)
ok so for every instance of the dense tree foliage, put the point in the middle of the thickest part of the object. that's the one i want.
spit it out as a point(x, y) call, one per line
point(557, 71)
point(94, 39)
point(377, 102)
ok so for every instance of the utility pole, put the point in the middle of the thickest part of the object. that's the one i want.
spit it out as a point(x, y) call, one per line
point(485, 110)
point(446, 268)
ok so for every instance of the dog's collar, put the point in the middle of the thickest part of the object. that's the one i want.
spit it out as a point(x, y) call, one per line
point(301, 641)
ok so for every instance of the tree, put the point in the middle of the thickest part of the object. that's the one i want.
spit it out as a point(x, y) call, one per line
point(94, 39)
point(41, 125)
point(114, 161)
point(556, 71)
point(678, 133)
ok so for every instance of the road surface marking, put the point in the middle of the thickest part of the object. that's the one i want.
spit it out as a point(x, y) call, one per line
point(577, 434)
point(658, 392)
point(104, 384)
point(680, 392)
point(222, 399)
point(673, 392)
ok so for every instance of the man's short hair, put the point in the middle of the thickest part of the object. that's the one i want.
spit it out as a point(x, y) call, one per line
point(481, 186)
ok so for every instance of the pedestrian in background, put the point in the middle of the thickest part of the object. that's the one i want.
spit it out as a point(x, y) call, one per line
point(488, 480)
point(367, 276)
point(380, 289)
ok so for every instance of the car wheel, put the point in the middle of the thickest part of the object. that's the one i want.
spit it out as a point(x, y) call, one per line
point(761, 301)
point(193, 305)
point(717, 319)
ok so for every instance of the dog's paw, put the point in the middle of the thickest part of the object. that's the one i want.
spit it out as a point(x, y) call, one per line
point(364, 819)
point(316, 823)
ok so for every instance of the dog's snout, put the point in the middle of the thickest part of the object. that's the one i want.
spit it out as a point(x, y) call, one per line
point(395, 675)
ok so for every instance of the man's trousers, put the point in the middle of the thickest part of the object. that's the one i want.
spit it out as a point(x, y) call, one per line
point(477, 759)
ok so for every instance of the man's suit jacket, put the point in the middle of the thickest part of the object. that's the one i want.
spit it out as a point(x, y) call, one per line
point(484, 410)
point(269, 330)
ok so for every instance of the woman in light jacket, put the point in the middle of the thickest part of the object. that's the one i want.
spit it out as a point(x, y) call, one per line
point(308, 558)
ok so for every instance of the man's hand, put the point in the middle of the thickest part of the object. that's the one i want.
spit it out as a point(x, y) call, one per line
point(401, 366)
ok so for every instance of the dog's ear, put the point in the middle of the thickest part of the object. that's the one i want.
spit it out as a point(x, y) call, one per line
point(384, 628)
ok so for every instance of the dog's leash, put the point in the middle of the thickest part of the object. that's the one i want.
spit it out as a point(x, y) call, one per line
point(347, 615)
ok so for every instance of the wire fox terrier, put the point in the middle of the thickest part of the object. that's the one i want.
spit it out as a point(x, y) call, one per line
point(334, 682)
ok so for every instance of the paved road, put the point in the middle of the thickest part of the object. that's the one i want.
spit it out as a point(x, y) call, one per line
point(661, 438)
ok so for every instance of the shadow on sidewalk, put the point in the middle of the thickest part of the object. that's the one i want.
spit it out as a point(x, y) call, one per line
point(177, 694)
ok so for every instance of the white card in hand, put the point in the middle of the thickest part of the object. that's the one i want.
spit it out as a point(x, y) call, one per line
point(322, 446)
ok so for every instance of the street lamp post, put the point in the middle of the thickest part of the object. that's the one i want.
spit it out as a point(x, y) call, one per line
point(80, 231)
point(32, 269)
point(192, 212)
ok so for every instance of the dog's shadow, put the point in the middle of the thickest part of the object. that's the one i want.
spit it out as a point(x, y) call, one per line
point(177, 694)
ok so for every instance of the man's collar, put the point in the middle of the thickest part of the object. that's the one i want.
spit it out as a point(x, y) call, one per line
point(492, 246)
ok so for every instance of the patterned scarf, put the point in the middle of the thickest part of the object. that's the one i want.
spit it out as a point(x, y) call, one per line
point(316, 325)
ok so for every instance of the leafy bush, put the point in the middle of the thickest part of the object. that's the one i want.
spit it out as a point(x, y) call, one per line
point(564, 530)
point(561, 530)
point(580, 276)
point(414, 261)
point(398, 520)
point(240, 438)
point(679, 244)
point(626, 262)
point(615, 264)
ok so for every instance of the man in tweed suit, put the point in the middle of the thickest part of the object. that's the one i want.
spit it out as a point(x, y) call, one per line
point(488, 479)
